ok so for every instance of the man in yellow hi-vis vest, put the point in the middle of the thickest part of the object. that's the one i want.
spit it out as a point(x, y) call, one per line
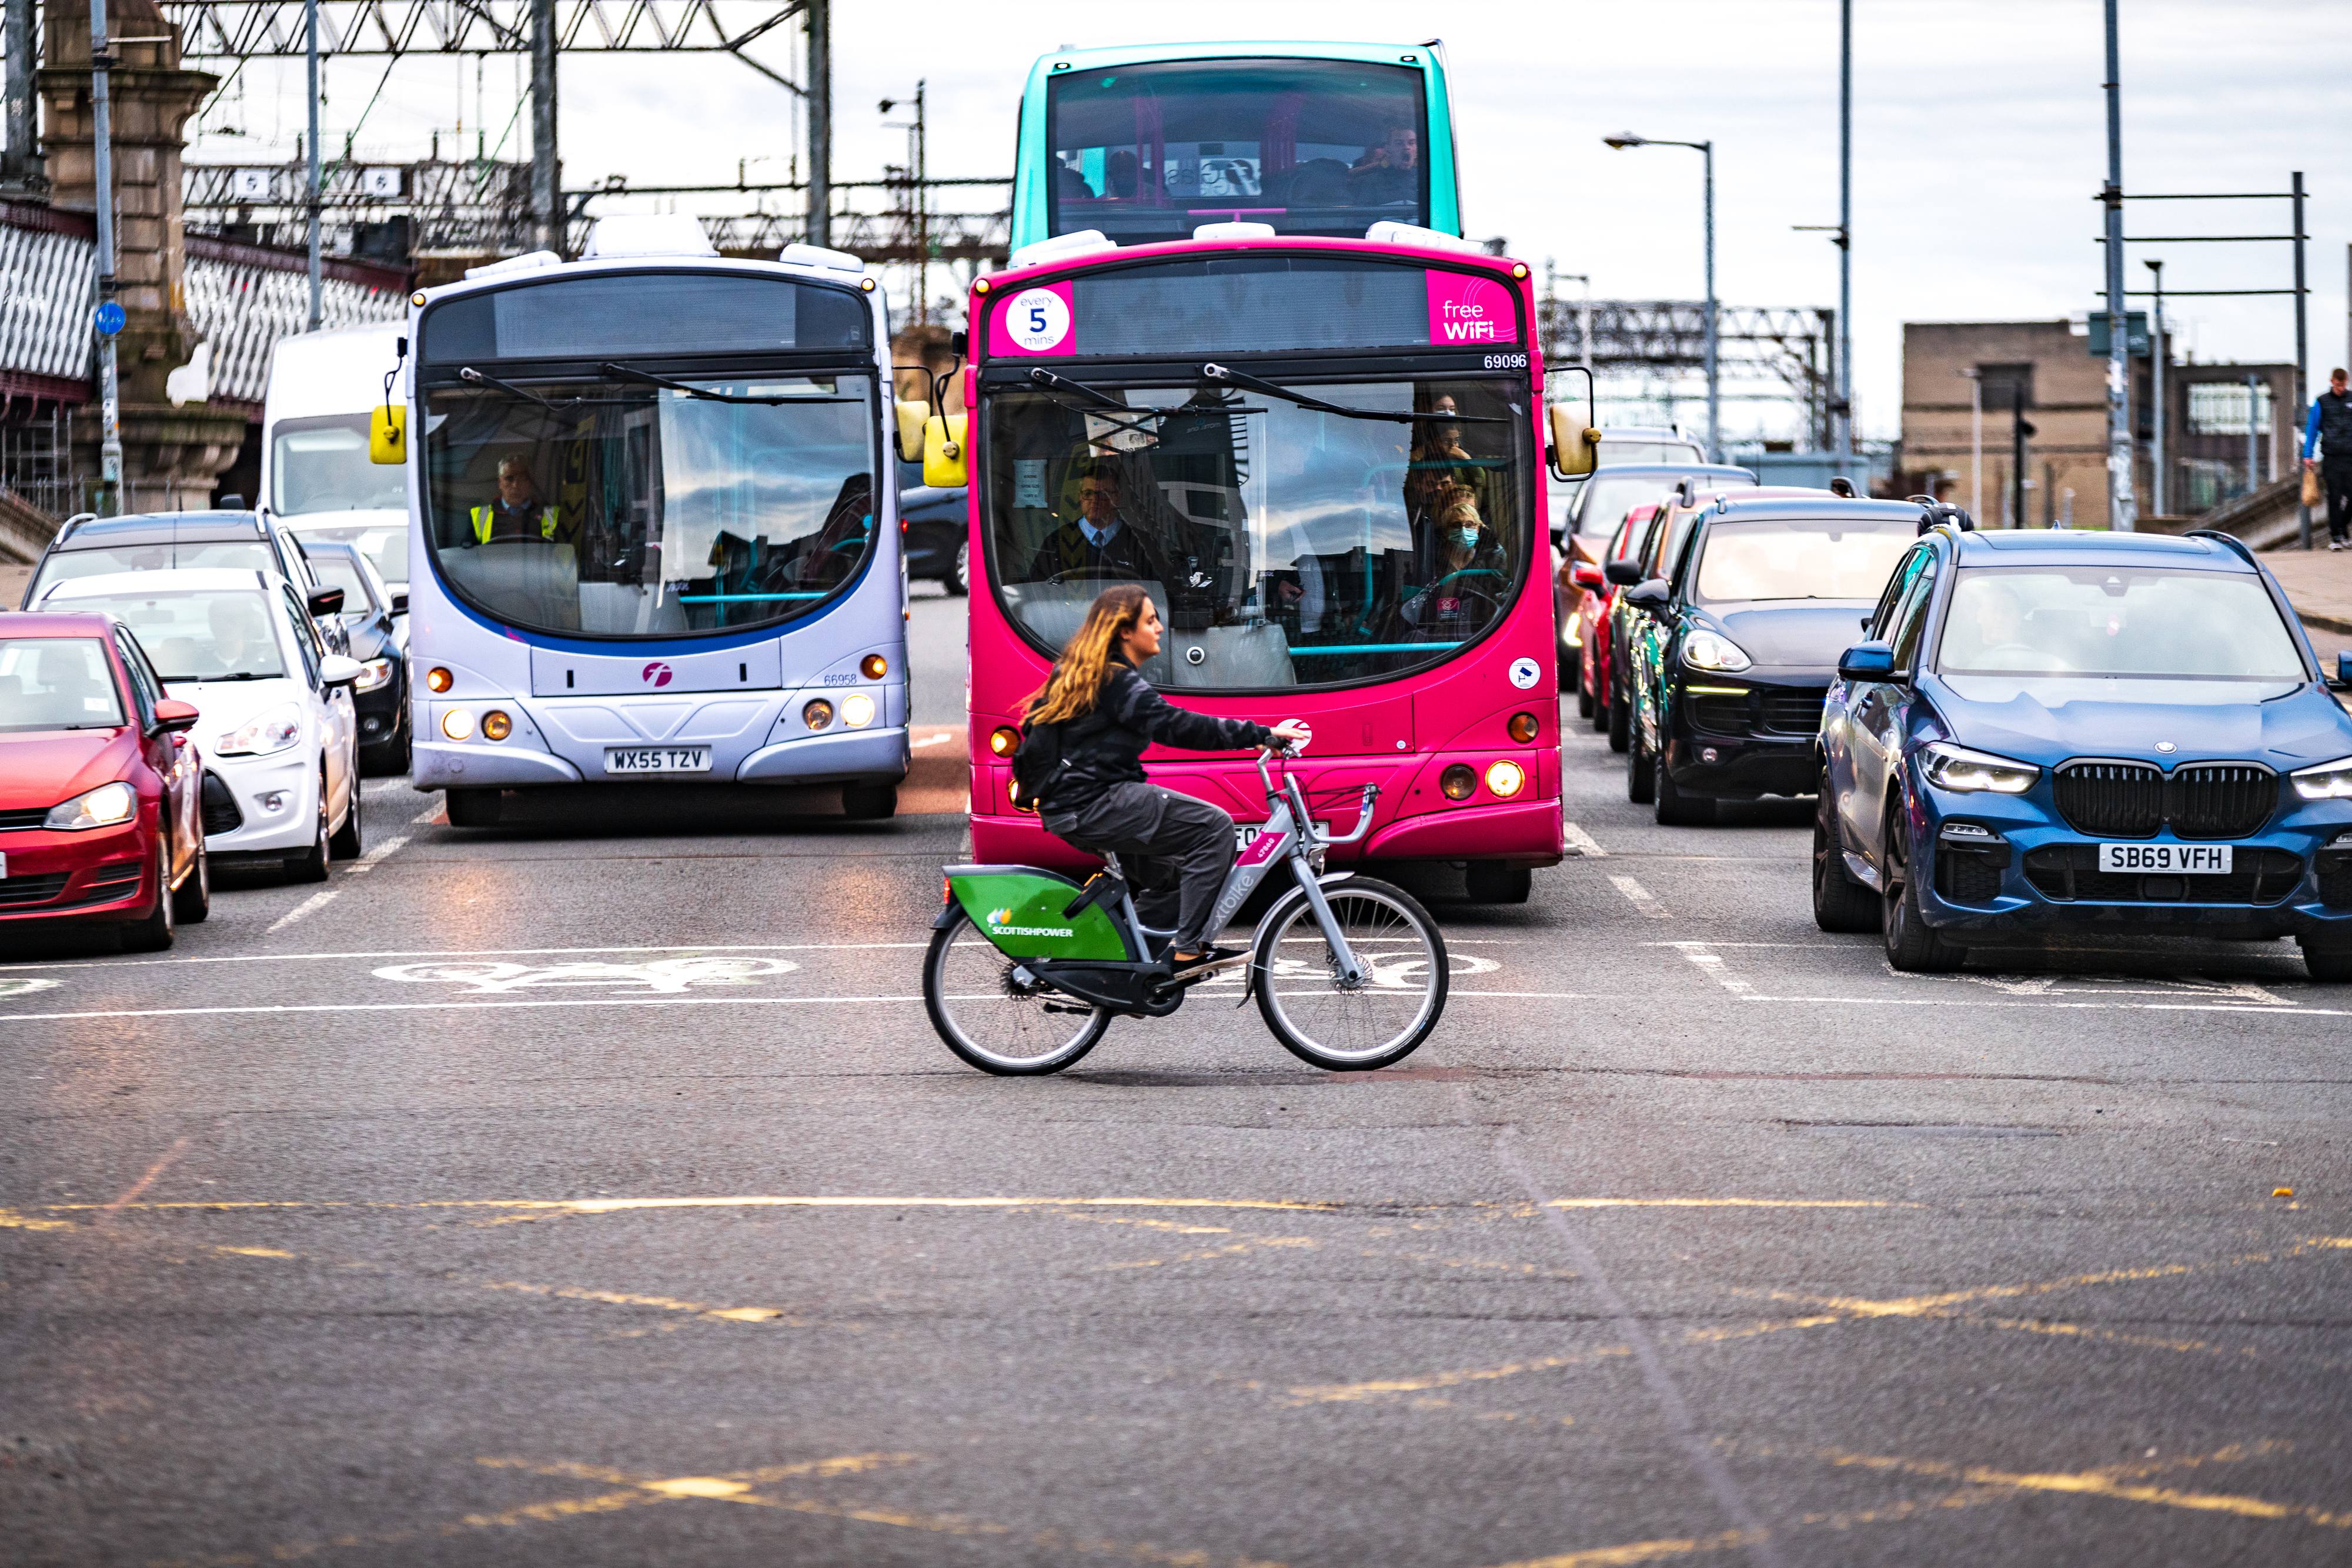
point(518, 513)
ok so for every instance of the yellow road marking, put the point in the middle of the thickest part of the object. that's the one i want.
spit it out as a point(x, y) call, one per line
point(12, 1220)
point(2108, 1483)
point(1645, 1550)
point(1349, 1393)
point(1723, 1203)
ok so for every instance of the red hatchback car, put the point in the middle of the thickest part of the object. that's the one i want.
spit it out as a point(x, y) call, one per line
point(101, 788)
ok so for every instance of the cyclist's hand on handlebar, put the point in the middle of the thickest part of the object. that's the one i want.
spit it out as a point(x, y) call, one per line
point(1293, 737)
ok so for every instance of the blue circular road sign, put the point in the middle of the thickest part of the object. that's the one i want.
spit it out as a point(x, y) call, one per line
point(110, 319)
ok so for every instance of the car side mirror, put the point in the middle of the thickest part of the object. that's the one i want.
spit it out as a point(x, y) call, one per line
point(326, 602)
point(1623, 572)
point(400, 604)
point(1649, 594)
point(1865, 621)
point(336, 670)
point(1586, 575)
point(174, 716)
point(1867, 661)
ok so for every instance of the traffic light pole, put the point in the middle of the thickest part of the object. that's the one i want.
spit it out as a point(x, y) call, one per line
point(109, 314)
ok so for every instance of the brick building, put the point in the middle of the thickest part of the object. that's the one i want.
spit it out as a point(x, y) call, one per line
point(2047, 368)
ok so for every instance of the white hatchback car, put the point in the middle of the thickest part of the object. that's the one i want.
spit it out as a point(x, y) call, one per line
point(277, 729)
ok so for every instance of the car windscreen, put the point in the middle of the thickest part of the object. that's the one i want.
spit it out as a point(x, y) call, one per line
point(385, 548)
point(617, 509)
point(1625, 449)
point(2115, 623)
point(1149, 153)
point(196, 635)
point(334, 569)
point(65, 566)
point(1284, 545)
point(1801, 557)
point(56, 682)
point(1607, 498)
point(320, 465)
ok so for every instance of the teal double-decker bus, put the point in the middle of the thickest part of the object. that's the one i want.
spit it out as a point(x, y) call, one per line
point(1147, 143)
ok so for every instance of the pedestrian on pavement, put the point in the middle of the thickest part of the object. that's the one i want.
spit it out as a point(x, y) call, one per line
point(2330, 430)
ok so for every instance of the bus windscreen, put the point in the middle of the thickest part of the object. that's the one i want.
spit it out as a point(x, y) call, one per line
point(1285, 546)
point(617, 510)
point(1151, 151)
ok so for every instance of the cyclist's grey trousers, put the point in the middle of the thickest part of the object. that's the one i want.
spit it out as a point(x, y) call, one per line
point(1145, 821)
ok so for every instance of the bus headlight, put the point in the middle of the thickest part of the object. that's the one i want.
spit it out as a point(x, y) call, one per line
point(496, 726)
point(458, 723)
point(1506, 779)
point(857, 710)
point(1457, 782)
point(817, 715)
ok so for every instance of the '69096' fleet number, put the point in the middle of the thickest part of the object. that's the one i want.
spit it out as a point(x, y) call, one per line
point(1506, 361)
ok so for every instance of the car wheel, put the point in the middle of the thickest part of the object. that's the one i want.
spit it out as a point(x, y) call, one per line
point(1598, 714)
point(1620, 723)
point(1912, 944)
point(347, 838)
point(312, 865)
point(472, 807)
point(193, 902)
point(1840, 902)
point(959, 578)
point(2329, 966)
point(1676, 809)
point(1641, 768)
point(1584, 703)
point(870, 802)
point(1492, 881)
point(156, 931)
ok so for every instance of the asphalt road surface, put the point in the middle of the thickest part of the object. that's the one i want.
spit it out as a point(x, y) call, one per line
point(592, 1191)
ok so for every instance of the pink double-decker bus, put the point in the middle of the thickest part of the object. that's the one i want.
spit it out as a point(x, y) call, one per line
point(1323, 459)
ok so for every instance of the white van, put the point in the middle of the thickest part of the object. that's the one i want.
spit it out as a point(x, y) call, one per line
point(316, 478)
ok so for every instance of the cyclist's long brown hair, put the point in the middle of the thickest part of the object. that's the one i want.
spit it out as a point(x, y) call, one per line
point(1077, 683)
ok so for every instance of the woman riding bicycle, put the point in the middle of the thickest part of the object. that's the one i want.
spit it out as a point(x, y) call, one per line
point(1099, 800)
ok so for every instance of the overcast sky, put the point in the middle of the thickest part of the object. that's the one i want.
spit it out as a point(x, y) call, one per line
point(1979, 138)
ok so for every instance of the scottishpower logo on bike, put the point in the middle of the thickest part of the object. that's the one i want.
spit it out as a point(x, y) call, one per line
point(997, 926)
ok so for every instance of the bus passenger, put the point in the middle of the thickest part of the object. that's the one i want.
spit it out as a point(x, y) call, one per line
point(1099, 800)
point(516, 512)
point(1100, 542)
point(1391, 171)
point(1472, 574)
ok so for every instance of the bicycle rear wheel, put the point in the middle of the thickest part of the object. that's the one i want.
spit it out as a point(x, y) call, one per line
point(991, 1021)
point(1340, 1028)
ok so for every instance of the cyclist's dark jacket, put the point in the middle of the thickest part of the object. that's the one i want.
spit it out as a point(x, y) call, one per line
point(1106, 747)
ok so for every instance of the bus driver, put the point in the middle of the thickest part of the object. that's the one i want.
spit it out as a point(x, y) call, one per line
point(517, 512)
point(1100, 542)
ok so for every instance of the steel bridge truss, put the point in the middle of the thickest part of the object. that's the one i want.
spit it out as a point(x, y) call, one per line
point(1764, 353)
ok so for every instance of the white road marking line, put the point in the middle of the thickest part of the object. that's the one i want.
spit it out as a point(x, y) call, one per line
point(934, 740)
point(430, 814)
point(368, 860)
point(1711, 964)
point(1644, 899)
point(302, 911)
point(1582, 841)
point(520, 953)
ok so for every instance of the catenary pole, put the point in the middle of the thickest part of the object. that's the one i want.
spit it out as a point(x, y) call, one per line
point(2122, 510)
point(546, 165)
point(1844, 345)
point(820, 121)
point(310, 176)
point(2302, 357)
point(17, 167)
point(2157, 354)
point(1714, 381)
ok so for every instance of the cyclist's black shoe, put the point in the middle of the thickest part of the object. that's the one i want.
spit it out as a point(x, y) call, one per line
point(1208, 959)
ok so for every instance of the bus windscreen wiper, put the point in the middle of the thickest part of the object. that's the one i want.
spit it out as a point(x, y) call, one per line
point(646, 378)
point(1224, 374)
point(469, 373)
point(1049, 382)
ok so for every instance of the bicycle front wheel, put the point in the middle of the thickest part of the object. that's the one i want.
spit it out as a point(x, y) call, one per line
point(1317, 1015)
point(993, 1021)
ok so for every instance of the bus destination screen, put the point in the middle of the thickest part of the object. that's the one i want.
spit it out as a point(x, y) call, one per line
point(622, 315)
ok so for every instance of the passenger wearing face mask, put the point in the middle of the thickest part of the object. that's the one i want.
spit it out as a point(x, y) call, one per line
point(1471, 574)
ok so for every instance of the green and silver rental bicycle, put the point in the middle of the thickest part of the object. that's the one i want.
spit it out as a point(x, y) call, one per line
point(1027, 968)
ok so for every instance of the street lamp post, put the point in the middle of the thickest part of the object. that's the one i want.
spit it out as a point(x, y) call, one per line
point(2156, 391)
point(1975, 441)
point(1705, 150)
point(2122, 510)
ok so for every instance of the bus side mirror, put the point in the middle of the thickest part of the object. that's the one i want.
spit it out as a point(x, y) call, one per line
point(1575, 445)
point(910, 429)
point(943, 458)
point(388, 435)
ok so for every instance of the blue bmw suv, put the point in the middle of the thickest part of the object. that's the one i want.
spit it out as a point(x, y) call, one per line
point(2047, 732)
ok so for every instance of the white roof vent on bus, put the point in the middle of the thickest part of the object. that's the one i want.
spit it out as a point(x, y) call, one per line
point(646, 234)
point(1388, 232)
point(531, 261)
point(800, 255)
point(1233, 231)
point(1062, 247)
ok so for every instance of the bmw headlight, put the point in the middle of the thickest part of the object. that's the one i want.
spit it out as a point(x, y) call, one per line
point(1707, 651)
point(1966, 772)
point(2328, 781)
point(373, 674)
point(99, 808)
point(276, 730)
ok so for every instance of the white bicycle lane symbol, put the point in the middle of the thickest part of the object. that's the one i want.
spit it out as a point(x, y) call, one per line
point(660, 977)
point(1391, 972)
